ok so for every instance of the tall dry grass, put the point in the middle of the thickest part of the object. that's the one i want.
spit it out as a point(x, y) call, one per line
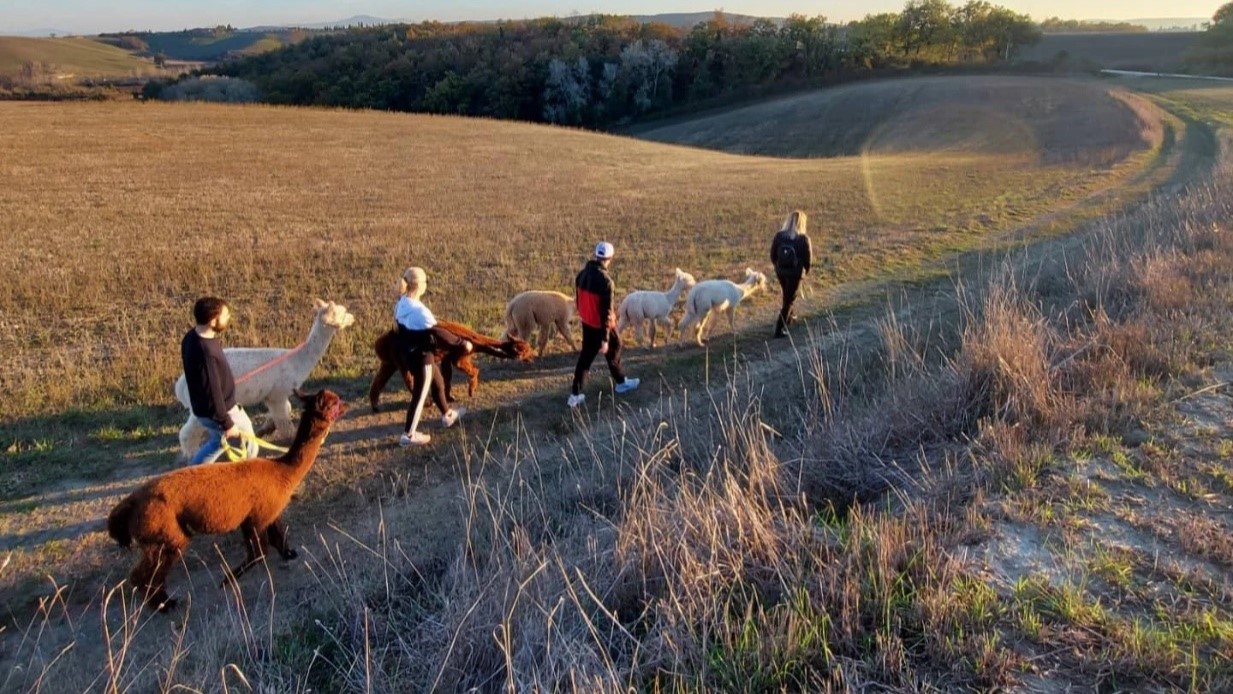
point(694, 547)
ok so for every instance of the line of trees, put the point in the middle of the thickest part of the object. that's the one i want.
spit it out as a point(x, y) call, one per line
point(1213, 52)
point(602, 70)
point(1056, 25)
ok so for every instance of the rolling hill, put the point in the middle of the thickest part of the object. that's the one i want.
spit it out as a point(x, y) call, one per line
point(1154, 51)
point(1051, 120)
point(78, 57)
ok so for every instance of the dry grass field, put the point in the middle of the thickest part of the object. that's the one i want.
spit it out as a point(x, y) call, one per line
point(122, 214)
point(70, 57)
point(270, 207)
point(1151, 51)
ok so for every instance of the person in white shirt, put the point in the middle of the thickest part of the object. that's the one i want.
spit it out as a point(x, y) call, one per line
point(417, 337)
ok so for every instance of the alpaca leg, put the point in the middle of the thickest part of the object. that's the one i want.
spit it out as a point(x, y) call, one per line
point(150, 575)
point(732, 320)
point(469, 368)
point(383, 375)
point(276, 536)
point(446, 367)
point(654, 326)
point(157, 590)
point(544, 337)
point(563, 328)
point(279, 407)
point(687, 324)
point(254, 540)
point(639, 333)
point(702, 328)
point(190, 433)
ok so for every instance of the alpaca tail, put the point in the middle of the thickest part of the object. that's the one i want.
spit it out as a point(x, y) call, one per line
point(118, 522)
point(511, 328)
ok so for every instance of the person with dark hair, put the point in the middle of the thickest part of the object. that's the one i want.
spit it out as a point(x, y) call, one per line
point(792, 256)
point(593, 292)
point(417, 337)
point(211, 385)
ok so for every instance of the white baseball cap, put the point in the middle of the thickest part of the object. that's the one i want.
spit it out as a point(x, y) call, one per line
point(604, 250)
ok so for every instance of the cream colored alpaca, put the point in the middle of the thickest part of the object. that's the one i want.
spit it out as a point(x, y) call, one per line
point(270, 375)
point(710, 296)
point(642, 306)
point(543, 310)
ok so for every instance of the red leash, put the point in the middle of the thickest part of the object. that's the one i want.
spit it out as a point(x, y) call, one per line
point(271, 363)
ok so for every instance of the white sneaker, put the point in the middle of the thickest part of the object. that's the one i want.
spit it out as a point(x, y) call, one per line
point(450, 418)
point(576, 400)
point(417, 438)
point(627, 385)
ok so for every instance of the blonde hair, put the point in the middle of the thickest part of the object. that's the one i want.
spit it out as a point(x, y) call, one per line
point(413, 282)
point(796, 221)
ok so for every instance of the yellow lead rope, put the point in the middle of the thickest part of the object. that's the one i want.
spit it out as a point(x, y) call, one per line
point(236, 453)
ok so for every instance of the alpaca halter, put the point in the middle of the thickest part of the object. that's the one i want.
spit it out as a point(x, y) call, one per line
point(273, 362)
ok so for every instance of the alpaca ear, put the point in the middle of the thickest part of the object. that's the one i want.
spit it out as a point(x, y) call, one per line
point(319, 304)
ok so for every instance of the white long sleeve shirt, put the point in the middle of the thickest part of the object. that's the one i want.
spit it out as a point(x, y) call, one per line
point(412, 314)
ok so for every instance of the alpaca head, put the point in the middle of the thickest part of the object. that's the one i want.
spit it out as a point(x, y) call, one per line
point(521, 350)
point(334, 315)
point(754, 279)
point(324, 404)
point(687, 280)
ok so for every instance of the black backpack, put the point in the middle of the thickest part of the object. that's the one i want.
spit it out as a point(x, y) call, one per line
point(786, 258)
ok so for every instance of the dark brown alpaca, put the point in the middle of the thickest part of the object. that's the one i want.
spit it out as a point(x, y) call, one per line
point(386, 348)
point(162, 514)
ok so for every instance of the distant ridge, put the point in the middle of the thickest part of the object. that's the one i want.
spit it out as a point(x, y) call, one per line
point(1175, 23)
point(684, 20)
point(355, 20)
point(687, 20)
point(37, 33)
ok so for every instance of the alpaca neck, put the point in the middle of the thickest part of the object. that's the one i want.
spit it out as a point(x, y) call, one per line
point(303, 450)
point(675, 292)
point(747, 289)
point(313, 349)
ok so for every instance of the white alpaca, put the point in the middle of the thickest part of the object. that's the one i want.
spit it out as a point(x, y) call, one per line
point(543, 310)
point(270, 375)
point(642, 306)
point(709, 296)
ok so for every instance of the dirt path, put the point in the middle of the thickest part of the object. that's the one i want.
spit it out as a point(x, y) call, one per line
point(365, 493)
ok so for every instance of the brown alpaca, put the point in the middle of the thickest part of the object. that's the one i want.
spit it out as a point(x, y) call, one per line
point(162, 514)
point(386, 348)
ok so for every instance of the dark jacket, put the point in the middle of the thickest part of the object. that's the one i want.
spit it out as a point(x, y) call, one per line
point(211, 386)
point(593, 295)
point(803, 253)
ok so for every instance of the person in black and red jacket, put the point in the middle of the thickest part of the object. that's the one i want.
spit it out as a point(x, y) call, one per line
point(793, 256)
point(593, 292)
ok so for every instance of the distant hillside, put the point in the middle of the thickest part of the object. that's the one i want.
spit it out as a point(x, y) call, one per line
point(353, 21)
point(79, 57)
point(687, 20)
point(1173, 23)
point(38, 33)
point(1150, 51)
point(204, 45)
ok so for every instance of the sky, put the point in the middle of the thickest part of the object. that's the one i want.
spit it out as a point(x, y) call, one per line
point(94, 16)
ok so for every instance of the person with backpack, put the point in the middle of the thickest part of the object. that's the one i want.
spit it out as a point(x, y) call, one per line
point(792, 257)
point(593, 296)
point(417, 337)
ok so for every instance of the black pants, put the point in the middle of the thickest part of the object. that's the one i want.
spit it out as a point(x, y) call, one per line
point(790, 282)
point(592, 338)
point(424, 384)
